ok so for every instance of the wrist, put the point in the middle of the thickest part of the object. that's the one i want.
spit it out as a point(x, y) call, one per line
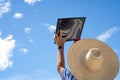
point(61, 47)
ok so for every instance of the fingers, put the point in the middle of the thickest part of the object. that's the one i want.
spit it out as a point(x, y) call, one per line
point(59, 38)
point(65, 38)
point(62, 37)
point(60, 33)
point(56, 35)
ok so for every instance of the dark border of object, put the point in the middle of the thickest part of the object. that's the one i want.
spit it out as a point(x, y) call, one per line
point(57, 28)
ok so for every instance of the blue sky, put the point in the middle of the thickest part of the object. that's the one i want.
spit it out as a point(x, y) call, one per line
point(27, 51)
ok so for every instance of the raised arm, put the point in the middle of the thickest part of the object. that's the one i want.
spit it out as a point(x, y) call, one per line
point(60, 57)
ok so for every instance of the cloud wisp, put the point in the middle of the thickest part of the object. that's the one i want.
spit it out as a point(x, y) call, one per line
point(31, 2)
point(4, 7)
point(6, 47)
point(51, 28)
point(27, 30)
point(24, 50)
point(107, 34)
point(18, 15)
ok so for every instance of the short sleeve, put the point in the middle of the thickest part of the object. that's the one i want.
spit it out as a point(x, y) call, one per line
point(67, 75)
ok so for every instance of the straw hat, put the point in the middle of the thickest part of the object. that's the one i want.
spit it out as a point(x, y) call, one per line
point(90, 59)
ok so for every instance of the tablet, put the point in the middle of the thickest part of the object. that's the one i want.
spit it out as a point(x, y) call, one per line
point(71, 27)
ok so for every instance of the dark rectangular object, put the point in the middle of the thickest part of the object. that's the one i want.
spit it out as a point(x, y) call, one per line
point(71, 27)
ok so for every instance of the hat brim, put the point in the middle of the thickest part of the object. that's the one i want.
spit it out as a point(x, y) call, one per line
point(76, 56)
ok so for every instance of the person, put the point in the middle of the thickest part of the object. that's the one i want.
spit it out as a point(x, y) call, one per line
point(93, 61)
point(64, 73)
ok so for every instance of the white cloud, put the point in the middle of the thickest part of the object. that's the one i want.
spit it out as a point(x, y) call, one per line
point(27, 30)
point(107, 34)
point(24, 50)
point(52, 28)
point(9, 37)
point(31, 2)
point(4, 7)
point(41, 24)
point(6, 47)
point(18, 15)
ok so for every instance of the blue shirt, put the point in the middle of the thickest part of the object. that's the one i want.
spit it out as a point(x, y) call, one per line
point(67, 75)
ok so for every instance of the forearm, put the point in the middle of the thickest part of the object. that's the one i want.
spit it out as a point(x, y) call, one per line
point(60, 57)
point(60, 60)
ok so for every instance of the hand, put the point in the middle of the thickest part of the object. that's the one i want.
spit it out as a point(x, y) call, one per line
point(59, 40)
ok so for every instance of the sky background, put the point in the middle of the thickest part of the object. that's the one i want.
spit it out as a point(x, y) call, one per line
point(27, 50)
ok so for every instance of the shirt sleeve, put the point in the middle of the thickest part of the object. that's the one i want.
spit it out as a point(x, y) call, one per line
point(67, 75)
